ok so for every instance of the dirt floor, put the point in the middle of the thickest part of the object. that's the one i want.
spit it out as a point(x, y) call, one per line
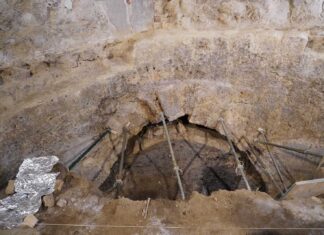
point(89, 211)
point(216, 201)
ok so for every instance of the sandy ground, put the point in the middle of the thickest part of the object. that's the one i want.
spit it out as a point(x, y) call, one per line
point(89, 211)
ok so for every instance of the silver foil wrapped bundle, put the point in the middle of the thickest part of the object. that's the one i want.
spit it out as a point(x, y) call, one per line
point(32, 182)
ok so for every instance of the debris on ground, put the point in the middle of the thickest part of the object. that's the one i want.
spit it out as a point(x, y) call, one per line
point(10, 189)
point(32, 182)
point(48, 200)
point(59, 185)
point(30, 221)
point(61, 203)
point(226, 211)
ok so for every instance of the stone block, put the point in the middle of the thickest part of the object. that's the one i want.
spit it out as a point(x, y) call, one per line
point(30, 221)
point(10, 189)
point(61, 202)
point(48, 200)
point(59, 185)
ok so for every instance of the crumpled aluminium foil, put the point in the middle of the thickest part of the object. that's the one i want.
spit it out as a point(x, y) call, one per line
point(32, 182)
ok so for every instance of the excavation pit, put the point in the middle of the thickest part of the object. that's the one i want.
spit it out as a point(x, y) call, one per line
point(203, 156)
point(74, 74)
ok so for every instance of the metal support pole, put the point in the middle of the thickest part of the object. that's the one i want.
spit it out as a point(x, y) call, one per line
point(320, 164)
point(273, 160)
point(122, 157)
point(119, 181)
point(175, 166)
point(318, 168)
point(263, 165)
point(145, 210)
point(239, 165)
point(84, 153)
point(290, 148)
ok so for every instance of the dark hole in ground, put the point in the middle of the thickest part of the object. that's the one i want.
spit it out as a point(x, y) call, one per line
point(152, 175)
point(204, 169)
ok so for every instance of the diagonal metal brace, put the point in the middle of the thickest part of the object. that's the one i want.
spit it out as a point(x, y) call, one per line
point(262, 132)
point(239, 165)
point(119, 181)
point(175, 165)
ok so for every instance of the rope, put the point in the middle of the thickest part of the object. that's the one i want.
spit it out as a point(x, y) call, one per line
point(175, 227)
point(170, 227)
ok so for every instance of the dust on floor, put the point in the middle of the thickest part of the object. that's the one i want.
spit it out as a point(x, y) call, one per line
point(89, 211)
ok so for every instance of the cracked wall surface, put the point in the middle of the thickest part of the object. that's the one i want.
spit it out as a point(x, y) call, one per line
point(69, 70)
point(34, 30)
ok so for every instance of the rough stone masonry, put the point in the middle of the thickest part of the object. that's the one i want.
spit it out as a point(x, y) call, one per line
point(71, 69)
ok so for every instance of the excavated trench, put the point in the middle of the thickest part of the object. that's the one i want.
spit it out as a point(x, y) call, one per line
point(205, 167)
point(76, 77)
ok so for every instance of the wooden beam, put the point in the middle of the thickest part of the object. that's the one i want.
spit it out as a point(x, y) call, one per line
point(305, 189)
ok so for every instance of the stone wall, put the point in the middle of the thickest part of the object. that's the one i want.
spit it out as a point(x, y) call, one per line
point(35, 29)
point(71, 69)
